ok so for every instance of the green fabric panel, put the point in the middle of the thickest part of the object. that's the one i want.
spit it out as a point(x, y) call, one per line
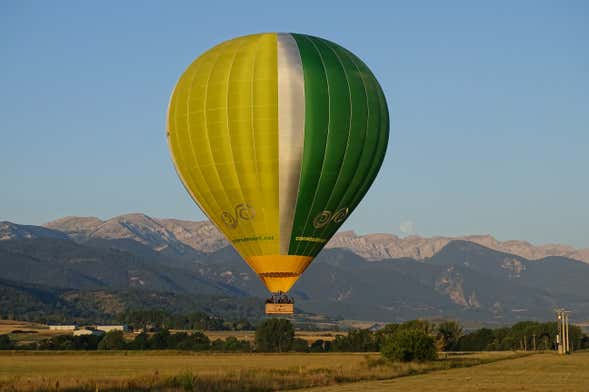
point(336, 142)
point(377, 136)
point(356, 111)
point(340, 162)
point(382, 139)
point(374, 145)
point(316, 129)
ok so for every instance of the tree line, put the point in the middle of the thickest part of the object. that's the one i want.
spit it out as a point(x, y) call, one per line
point(450, 336)
point(115, 340)
point(411, 340)
point(159, 319)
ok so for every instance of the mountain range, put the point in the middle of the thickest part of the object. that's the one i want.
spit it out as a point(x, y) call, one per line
point(377, 277)
point(204, 237)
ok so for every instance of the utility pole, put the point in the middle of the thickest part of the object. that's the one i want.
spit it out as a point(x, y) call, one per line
point(566, 329)
point(562, 339)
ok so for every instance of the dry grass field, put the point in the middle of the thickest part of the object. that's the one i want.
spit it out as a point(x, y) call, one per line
point(547, 372)
point(309, 336)
point(7, 326)
point(30, 332)
point(331, 372)
point(174, 371)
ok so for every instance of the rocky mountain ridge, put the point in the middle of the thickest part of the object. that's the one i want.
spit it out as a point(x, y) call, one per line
point(204, 237)
point(385, 246)
point(463, 280)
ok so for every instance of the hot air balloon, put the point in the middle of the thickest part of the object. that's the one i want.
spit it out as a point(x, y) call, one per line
point(277, 137)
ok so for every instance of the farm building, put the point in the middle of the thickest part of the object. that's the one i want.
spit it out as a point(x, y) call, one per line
point(108, 328)
point(62, 327)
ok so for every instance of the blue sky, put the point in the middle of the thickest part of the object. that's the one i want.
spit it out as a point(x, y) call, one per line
point(489, 106)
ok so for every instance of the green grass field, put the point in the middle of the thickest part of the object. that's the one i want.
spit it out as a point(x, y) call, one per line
point(540, 373)
point(171, 371)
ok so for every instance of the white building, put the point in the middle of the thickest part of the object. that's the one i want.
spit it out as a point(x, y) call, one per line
point(62, 327)
point(108, 328)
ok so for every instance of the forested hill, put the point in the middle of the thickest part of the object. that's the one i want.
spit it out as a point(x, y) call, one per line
point(464, 280)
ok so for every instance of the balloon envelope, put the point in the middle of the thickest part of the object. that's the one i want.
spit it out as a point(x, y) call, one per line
point(277, 137)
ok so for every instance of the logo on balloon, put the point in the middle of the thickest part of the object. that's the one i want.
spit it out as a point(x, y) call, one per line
point(325, 217)
point(242, 211)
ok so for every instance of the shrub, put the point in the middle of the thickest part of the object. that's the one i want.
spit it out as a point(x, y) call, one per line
point(159, 340)
point(274, 335)
point(585, 342)
point(357, 340)
point(59, 342)
point(449, 333)
point(5, 343)
point(235, 345)
point(113, 340)
point(300, 345)
point(141, 342)
point(218, 345)
point(385, 333)
point(410, 345)
point(196, 341)
point(231, 344)
point(318, 346)
point(65, 342)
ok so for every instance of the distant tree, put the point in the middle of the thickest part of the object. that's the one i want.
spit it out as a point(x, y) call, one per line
point(575, 337)
point(318, 346)
point(300, 345)
point(232, 344)
point(520, 336)
point(141, 342)
point(86, 342)
point(410, 345)
point(5, 343)
point(585, 342)
point(196, 341)
point(448, 335)
point(546, 336)
point(67, 342)
point(218, 345)
point(424, 326)
point(274, 335)
point(159, 319)
point(179, 340)
point(159, 340)
point(113, 340)
point(357, 340)
point(384, 333)
point(59, 342)
point(478, 340)
point(239, 325)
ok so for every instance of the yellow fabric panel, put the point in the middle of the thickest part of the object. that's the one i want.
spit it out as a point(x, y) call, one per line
point(279, 272)
point(223, 134)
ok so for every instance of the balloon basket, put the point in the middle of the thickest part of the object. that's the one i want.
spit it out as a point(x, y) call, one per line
point(287, 309)
point(280, 304)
